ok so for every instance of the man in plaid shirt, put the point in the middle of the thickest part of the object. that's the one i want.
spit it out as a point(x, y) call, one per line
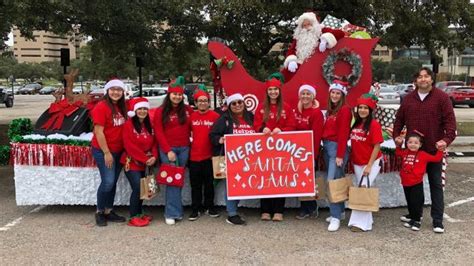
point(429, 111)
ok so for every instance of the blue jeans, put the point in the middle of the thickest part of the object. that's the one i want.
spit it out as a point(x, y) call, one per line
point(231, 205)
point(108, 177)
point(173, 204)
point(334, 172)
point(134, 177)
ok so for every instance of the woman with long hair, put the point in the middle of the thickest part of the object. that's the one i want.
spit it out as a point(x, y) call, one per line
point(272, 117)
point(108, 117)
point(235, 120)
point(173, 130)
point(335, 135)
point(366, 137)
point(140, 152)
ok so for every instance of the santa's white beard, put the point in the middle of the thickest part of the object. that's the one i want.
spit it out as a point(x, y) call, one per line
point(306, 42)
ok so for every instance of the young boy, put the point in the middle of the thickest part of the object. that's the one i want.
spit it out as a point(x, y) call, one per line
point(413, 168)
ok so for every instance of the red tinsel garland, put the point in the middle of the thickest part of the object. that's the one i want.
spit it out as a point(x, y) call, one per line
point(51, 155)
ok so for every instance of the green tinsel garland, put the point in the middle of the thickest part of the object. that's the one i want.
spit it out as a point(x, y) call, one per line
point(19, 127)
point(346, 55)
point(71, 142)
point(4, 154)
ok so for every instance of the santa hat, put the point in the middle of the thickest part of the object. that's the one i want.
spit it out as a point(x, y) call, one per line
point(307, 87)
point(275, 80)
point(368, 99)
point(311, 16)
point(234, 97)
point(201, 91)
point(339, 85)
point(177, 85)
point(115, 83)
point(137, 103)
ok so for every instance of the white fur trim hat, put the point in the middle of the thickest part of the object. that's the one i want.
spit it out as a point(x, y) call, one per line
point(309, 16)
point(308, 88)
point(137, 103)
point(114, 83)
point(338, 86)
point(234, 97)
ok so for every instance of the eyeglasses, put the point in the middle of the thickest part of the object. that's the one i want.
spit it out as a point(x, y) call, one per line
point(238, 102)
point(202, 101)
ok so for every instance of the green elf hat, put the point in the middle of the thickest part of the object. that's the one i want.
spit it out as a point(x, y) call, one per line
point(177, 85)
point(368, 99)
point(275, 80)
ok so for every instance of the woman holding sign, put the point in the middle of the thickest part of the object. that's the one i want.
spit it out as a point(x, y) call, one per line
point(272, 117)
point(308, 116)
point(235, 120)
point(172, 125)
point(335, 135)
point(366, 136)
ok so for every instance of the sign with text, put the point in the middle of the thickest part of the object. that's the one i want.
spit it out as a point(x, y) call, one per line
point(279, 165)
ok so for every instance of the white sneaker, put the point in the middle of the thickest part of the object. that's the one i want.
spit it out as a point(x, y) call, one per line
point(334, 225)
point(170, 221)
point(343, 217)
point(438, 230)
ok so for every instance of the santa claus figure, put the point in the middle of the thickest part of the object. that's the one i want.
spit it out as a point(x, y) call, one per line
point(308, 38)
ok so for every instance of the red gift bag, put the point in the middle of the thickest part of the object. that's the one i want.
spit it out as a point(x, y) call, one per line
point(171, 175)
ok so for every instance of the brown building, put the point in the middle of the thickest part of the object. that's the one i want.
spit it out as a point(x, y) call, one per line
point(45, 47)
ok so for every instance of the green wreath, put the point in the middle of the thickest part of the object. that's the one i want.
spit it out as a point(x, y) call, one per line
point(345, 55)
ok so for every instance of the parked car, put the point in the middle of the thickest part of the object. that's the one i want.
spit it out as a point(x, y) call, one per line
point(404, 89)
point(461, 95)
point(444, 84)
point(77, 90)
point(6, 96)
point(156, 95)
point(189, 90)
point(388, 96)
point(32, 88)
point(47, 90)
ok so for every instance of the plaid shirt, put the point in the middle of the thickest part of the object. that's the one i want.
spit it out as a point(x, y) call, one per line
point(434, 117)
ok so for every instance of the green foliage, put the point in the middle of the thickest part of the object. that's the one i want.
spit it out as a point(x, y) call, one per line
point(4, 154)
point(403, 68)
point(379, 70)
point(54, 141)
point(19, 127)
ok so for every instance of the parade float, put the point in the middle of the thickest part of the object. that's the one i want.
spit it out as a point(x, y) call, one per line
point(58, 169)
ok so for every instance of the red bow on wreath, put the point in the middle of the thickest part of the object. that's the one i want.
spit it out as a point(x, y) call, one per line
point(224, 61)
point(58, 111)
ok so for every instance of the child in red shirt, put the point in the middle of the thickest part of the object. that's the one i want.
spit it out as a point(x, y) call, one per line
point(200, 163)
point(272, 117)
point(366, 137)
point(140, 152)
point(414, 163)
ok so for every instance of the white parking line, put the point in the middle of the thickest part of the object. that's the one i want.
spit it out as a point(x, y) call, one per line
point(451, 220)
point(459, 202)
point(11, 224)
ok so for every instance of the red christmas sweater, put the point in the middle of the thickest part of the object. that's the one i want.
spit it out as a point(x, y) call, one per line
point(337, 128)
point(285, 123)
point(173, 134)
point(112, 123)
point(310, 119)
point(414, 165)
point(201, 124)
point(139, 146)
point(363, 143)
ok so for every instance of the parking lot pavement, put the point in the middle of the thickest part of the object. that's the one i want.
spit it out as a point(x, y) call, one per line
point(67, 235)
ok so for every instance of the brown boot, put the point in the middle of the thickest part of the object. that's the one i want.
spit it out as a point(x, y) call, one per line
point(265, 217)
point(278, 217)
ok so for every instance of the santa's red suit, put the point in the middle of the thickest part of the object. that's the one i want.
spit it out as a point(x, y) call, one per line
point(306, 42)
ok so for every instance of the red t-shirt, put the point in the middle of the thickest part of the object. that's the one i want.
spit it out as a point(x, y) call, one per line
point(173, 134)
point(139, 146)
point(243, 127)
point(311, 119)
point(337, 128)
point(363, 143)
point(285, 123)
point(414, 165)
point(201, 124)
point(112, 123)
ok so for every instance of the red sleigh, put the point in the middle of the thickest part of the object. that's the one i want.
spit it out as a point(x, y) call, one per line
point(238, 80)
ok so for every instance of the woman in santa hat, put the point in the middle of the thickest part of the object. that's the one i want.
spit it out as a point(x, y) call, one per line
point(335, 136)
point(366, 137)
point(272, 117)
point(108, 117)
point(172, 126)
point(308, 116)
point(140, 152)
